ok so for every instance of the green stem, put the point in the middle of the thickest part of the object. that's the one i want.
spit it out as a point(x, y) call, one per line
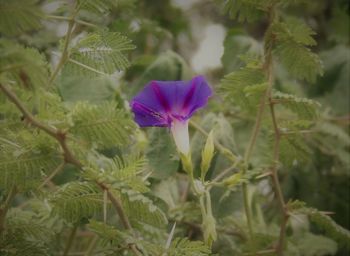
point(65, 54)
point(55, 17)
point(257, 125)
point(92, 245)
point(70, 240)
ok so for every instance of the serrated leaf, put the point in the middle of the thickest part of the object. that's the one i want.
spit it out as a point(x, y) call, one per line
point(185, 247)
point(323, 221)
point(27, 66)
point(17, 16)
point(77, 200)
point(244, 87)
point(101, 53)
point(293, 150)
point(24, 158)
point(294, 29)
point(305, 108)
point(141, 209)
point(103, 124)
point(246, 10)
point(299, 61)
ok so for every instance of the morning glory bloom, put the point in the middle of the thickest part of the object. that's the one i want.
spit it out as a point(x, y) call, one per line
point(171, 104)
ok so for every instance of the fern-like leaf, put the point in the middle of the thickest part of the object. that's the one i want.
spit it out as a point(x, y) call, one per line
point(246, 10)
point(141, 209)
point(293, 150)
point(99, 53)
point(119, 172)
point(323, 221)
point(27, 223)
point(77, 200)
point(305, 108)
point(244, 87)
point(185, 247)
point(24, 158)
point(102, 124)
point(26, 66)
point(295, 30)
point(97, 6)
point(17, 16)
point(299, 61)
point(108, 234)
point(291, 38)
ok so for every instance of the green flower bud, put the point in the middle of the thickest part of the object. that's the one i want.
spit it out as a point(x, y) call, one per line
point(207, 154)
point(209, 229)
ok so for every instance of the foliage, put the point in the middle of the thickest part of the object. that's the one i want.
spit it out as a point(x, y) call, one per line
point(268, 172)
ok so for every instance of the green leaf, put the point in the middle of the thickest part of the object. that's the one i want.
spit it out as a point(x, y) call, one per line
point(244, 87)
point(109, 235)
point(322, 221)
point(246, 10)
point(101, 53)
point(299, 60)
point(24, 158)
point(17, 16)
point(98, 6)
point(26, 66)
point(119, 172)
point(293, 150)
point(185, 247)
point(29, 224)
point(291, 38)
point(294, 29)
point(141, 210)
point(77, 200)
point(305, 108)
point(103, 124)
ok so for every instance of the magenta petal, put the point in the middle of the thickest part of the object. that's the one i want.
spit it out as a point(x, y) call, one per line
point(162, 101)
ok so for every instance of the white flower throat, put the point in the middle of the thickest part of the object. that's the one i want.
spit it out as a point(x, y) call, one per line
point(179, 129)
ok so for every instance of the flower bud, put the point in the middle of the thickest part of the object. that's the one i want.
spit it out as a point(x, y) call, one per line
point(207, 155)
point(209, 229)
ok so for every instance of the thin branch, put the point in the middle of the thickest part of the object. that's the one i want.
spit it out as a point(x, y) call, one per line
point(249, 150)
point(224, 172)
point(65, 53)
point(63, 18)
point(48, 129)
point(92, 245)
point(276, 183)
point(70, 240)
point(123, 217)
point(276, 150)
point(263, 252)
point(282, 133)
point(53, 174)
point(59, 135)
point(117, 205)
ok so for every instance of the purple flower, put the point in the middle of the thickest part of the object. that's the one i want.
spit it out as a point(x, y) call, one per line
point(171, 104)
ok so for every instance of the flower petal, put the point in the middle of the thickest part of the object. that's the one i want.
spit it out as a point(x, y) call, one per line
point(160, 102)
point(145, 116)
